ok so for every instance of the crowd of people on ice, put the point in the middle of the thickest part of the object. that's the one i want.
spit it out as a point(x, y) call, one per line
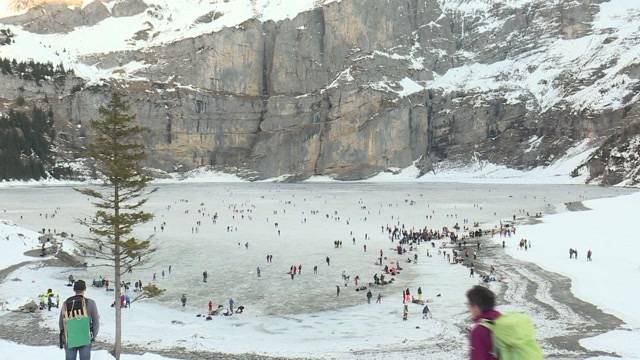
point(458, 244)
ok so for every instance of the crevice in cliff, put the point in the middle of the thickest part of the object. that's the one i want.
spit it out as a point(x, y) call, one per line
point(413, 10)
point(269, 34)
point(323, 128)
point(325, 98)
point(323, 30)
point(429, 106)
point(169, 127)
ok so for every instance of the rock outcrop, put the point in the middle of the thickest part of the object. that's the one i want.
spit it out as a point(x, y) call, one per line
point(57, 18)
point(617, 160)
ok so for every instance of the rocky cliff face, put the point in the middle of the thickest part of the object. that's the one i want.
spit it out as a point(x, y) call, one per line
point(617, 160)
point(353, 87)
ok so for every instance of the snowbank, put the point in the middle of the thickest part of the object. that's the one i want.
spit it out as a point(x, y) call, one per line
point(14, 241)
point(13, 351)
point(484, 172)
point(609, 281)
point(200, 175)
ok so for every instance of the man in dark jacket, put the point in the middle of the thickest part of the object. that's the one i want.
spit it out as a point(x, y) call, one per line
point(73, 305)
point(481, 302)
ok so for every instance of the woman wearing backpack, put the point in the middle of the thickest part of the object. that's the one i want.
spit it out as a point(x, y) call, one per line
point(499, 336)
point(481, 302)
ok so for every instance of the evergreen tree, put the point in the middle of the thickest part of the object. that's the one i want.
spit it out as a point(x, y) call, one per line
point(119, 201)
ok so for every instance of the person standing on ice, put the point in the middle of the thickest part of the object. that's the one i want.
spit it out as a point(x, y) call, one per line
point(328, 261)
point(79, 306)
point(258, 271)
point(315, 269)
point(426, 313)
point(369, 296)
point(204, 276)
point(589, 253)
point(337, 290)
point(210, 306)
point(231, 303)
point(183, 300)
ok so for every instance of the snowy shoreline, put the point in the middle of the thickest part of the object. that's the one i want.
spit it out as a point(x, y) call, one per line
point(477, 172)
point(604, 222)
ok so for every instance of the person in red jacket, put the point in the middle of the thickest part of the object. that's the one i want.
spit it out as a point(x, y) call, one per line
point(481, 303)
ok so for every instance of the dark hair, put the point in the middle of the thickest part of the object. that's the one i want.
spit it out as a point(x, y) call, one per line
point(482, 297)
point(79, 285)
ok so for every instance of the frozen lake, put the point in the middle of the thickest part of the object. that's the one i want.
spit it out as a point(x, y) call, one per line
point(310, 218)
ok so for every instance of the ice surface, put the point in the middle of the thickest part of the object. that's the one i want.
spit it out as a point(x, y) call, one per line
point(300, 317)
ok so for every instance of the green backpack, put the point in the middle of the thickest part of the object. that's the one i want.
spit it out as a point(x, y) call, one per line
point(77, 325)
point(513, 337)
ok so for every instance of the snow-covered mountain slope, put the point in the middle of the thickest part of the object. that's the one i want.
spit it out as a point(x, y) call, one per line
point(18, 7)
point(161, 23)
point(604, 54)
point(346, 87)
point(598, 63)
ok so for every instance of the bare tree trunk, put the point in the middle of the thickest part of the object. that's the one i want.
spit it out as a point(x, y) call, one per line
point(118, 343)
point(117, 346)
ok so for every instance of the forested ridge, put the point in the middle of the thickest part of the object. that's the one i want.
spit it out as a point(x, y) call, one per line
point(32, 70)
point(26, 141)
